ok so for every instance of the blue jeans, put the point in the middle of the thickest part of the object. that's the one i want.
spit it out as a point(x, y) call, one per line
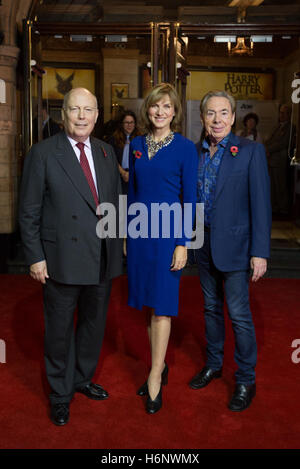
point(235, 285)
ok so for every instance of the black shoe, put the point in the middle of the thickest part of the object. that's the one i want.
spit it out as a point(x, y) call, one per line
point(154, 406)
point(242, 397)
point(60, 413)
point(94, 391)
point(143, 390)
point(203, 378)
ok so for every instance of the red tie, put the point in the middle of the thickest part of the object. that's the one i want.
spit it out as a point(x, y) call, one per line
point(87, 171)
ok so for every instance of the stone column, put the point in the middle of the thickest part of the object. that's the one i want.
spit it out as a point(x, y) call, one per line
point(8, 135)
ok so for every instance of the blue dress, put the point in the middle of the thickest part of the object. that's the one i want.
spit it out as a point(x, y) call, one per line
point(169, 177)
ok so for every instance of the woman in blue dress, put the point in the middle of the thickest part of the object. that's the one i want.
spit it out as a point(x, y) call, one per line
point(162, 176)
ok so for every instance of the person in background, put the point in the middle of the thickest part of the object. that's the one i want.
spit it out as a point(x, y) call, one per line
point(162, 167)
point(233, 185)
point(277, 147)
point(120, 141)
point(50, 127)
point(111, 125)
point(250, 131)
point(65, 178)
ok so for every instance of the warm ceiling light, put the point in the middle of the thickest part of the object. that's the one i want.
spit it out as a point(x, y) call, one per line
point(241, 48)
point(245, 3)
point(241, 6)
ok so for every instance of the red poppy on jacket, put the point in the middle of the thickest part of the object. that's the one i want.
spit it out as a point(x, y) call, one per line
point(137, 154)
point(234, 150)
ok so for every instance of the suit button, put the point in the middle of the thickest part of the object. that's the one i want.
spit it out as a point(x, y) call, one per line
point(74, 217)
point(74, 239)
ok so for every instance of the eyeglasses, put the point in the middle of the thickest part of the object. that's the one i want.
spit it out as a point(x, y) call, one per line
point(128, 122)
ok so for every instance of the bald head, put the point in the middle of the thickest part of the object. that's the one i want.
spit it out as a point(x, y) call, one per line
point(79, 113)
point(84, 91)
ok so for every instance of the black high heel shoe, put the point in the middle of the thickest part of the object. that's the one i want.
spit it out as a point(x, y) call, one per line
point(143, 390)
point(153, 406)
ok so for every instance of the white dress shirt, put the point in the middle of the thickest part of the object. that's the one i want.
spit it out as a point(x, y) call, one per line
point(88, 152)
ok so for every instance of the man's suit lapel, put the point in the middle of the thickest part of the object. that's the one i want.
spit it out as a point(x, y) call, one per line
point(227, 164)
point(100, 169)
point(67, 159)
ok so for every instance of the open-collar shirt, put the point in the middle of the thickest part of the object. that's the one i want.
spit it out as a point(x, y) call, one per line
point(208, 169)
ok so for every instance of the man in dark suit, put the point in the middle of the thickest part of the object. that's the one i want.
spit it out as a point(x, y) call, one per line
point(65, 178)
point(233, 184)
point(49, 126)
point(279, 146)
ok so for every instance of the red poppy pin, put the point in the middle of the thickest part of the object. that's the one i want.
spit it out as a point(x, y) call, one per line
point(104, 152)
point(137, 154)
point(234, 151)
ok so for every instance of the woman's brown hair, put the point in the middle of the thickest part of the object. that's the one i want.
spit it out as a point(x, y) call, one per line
point(155, 95)
point(119, 134)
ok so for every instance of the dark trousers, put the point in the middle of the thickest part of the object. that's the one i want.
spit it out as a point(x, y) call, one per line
point(235, 285)
point(72, 350)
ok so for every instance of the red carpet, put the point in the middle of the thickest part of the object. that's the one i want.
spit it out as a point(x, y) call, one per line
point(189, 419)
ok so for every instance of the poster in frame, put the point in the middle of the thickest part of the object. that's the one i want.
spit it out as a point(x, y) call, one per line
point(59, 79)
point(119, 91)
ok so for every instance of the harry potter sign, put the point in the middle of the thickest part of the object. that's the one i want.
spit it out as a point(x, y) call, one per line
point(241, 85)
point(244, 84)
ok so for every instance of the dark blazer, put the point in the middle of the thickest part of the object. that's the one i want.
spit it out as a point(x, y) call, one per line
point(241, 214)
point(58, 213)
point(118, 150)
point(278, 145)
point(50, 128)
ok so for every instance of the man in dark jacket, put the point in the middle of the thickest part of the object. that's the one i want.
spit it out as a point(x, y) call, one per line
point(65, 178)
point(233, 185)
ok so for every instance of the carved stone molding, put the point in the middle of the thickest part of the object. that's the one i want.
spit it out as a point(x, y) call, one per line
point(9, 55)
